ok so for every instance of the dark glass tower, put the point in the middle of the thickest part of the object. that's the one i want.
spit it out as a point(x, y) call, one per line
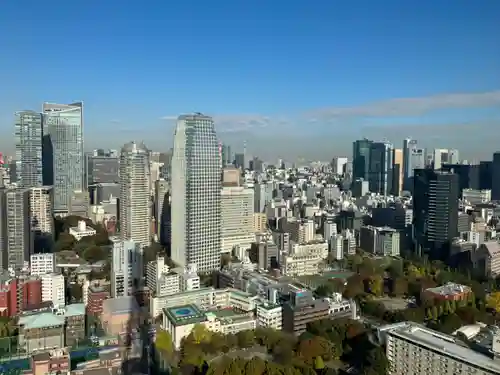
point(380, 172)
point(495, 177)
point(361, 158)
point(435, 211)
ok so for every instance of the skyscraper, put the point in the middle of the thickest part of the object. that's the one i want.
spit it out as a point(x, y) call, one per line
point(28, 134)
point(435, 211)
point(196, 187)
point(41, 218)
point(18, 229)
point(413, 158)
point(380, 173)
point(135, 198)
point(361, 159)
point(495, 177)
point(64, 127)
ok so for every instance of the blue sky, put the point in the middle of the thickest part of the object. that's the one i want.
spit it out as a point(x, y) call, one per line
point(257, 66)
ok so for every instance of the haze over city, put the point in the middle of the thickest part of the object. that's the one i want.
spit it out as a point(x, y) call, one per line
point(292, 79)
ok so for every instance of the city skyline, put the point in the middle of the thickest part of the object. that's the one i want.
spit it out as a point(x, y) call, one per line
point(335, 70)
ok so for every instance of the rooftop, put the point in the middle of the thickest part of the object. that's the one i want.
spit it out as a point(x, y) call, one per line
point(449, 289)
point(45, 318)
point(121, 305)
point(184, 315)
point(445, 344)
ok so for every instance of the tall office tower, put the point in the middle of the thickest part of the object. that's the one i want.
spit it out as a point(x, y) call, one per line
point(162, 211)
point(64, 138)
point(486, 174)
point(495, 177)
point(135, 210)
point(413, 158)
point(236, 218)
point(445, 156)
point(435, 211)
point(361, 159)
point(102, 169)
point(41, 207)
point(239, 161)
point(381, 168)
point(18, 229)
point(126, 267)
point(263, 194)
point(3, 228)
point(29, 135)
point(196, 186)
point(397, 168)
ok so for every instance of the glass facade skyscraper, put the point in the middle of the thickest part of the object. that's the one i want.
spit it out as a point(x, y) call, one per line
point(64, 128)
point(29, 135)
point(196, 194)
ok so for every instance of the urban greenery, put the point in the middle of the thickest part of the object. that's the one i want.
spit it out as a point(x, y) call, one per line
point(323, 349)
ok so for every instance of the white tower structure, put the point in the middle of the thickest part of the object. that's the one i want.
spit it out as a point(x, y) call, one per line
point(135, 187)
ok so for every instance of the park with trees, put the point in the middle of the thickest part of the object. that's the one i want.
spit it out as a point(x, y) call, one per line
point(323, 349)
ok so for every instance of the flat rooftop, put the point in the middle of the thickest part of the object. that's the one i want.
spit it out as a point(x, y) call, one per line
point(449, 289)
point(445, 344)
point(121, 305)
point(184, 315)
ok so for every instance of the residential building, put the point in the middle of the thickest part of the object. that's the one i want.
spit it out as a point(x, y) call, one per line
point(196, 198)
point(65, 156)
point(95, 299)
point(29, 136)
point(41, 213)
point(126, 267)
point(135, 194)
point(54, 289)
point(476, 196)
point(41, 264)
point(19, 241)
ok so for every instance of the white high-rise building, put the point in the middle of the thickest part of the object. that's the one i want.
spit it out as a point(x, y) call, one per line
point(135, 197)
point(196, 185)
point(41, 207)
point(126, 267)
point(41, 264)
point(236, 218)
point(53, 289)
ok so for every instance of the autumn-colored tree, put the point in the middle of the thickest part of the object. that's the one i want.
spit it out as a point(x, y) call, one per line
point(255, 366)
point(493, 301)
point(200, 334)
point(376, 285)
point(354, 287)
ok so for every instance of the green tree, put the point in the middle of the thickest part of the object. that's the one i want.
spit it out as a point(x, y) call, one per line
point(450, 323)
point(76, 292)
point(245, 339)
point(354, 287)
point(200, 334)
point(376, 362)
point(435, 313)
point(94, 254)
point(324, 290)
point(255, 366)
point(163, 342)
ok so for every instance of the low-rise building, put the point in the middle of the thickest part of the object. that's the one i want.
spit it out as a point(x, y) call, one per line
point(81, 230)
point(270, 315)
point(304, 259)
point(179, 321)
point(43, 330)
point(120, 315)
point(448, 292)
point(302, 309)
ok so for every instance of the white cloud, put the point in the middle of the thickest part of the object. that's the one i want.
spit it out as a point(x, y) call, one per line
point(398, 107)
point(168, 118)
